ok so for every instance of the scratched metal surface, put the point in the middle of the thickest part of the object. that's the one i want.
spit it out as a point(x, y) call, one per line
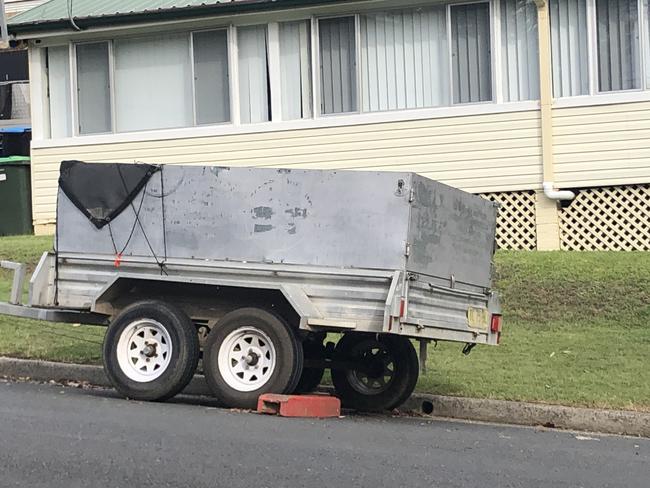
point(451, 233)
point(324, 218)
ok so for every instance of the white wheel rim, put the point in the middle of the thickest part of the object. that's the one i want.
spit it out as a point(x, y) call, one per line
point(144, 350)
point(247, 359)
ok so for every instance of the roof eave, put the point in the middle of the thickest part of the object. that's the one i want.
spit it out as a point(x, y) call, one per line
point(160, 15)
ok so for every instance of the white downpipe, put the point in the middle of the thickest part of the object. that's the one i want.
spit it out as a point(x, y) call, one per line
point(554, 194)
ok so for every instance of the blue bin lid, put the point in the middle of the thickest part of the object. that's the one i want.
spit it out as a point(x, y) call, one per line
point(20, 129)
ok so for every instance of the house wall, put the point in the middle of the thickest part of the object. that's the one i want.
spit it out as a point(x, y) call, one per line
point(480, 153)
point(598, 147)
point(601, 145)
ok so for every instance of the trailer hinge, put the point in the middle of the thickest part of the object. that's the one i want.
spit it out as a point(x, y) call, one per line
point(411, 195)
point(407, 251)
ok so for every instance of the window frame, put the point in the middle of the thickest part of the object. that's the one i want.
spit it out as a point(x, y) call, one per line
point(495, 86)
point(593, 59)
point(640, 50)
point(316, 54)
point(225, 29)
point(74, 85)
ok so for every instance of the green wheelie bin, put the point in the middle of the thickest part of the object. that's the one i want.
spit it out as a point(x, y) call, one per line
point(15, 196)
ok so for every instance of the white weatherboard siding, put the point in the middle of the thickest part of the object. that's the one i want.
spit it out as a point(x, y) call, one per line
point(476, 153)
point(602, 145)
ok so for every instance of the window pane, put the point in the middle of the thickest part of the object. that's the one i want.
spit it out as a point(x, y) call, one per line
point(211, 86)
point(618, 45)
point(253, 75)
point(569, 47)
point(93, 88)
point(153, 86)
point(470, 37)
point(58, 61)
point(404, 59)
point(520, 59)
point(338, 65)
point(295, 63)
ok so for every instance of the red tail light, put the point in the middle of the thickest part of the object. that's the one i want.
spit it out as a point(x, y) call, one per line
point(402, 307)
point(495, 326)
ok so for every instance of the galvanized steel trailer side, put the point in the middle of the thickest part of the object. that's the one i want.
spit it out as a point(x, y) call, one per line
point(391, 301)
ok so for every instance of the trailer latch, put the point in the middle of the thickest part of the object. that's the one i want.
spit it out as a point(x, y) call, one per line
point(468, 348)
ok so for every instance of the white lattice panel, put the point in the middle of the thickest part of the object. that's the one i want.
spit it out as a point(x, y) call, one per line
point(516, 222)
point(615, 218)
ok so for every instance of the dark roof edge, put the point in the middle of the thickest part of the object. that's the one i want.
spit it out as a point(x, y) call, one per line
point(162, 15)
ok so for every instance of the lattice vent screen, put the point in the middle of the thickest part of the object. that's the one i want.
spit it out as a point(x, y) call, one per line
point(615, 218)
point(516, 221)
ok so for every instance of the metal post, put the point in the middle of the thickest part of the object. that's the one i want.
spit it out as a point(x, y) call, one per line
point(4, 35)
point(16, 296)
point(423, 355)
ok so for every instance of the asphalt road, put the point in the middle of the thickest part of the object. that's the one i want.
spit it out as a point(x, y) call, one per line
point(64, 437)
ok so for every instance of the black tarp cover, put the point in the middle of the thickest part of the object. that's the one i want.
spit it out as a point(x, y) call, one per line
point(103, 190)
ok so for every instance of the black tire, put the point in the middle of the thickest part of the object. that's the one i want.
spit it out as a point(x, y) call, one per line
point(240, 383)
point(414, 367)
point(368, 389)
point(311, 377)
point(181, 365)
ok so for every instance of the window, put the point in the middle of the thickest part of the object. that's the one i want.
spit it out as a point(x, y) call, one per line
point(338, 70)
point(58, 64)
point(295, 66)
point(470, 48)
point(93, 88)
point(153, 87)
point(211, 77)
point(432, 55)
point(404, 60)
point(254, 88)
point(618, 45)
point(520, 51)
point(569, 47)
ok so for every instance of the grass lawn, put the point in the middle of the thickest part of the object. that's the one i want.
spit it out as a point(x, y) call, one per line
point(577, 331)
point(23, 338)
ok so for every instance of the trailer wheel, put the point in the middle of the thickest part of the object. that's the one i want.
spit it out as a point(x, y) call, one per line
point(251, 352)
point(384, 374)
point(151, 351)
point(311, 376)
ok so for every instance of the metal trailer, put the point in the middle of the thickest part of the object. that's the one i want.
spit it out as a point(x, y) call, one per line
point(252, 270)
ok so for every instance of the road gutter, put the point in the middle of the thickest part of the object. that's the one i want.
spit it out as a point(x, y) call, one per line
point(482, 410)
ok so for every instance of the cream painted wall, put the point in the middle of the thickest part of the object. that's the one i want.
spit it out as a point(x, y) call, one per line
point(477, 153)
point(602, 145)
point(593, 146)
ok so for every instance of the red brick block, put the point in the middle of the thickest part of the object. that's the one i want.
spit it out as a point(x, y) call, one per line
point(319, 406)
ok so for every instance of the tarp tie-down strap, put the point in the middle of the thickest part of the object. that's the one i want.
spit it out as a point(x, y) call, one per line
point(138, 222)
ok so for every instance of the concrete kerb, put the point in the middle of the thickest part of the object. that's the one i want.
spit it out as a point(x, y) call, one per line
point(534, 414)
point(498, 411)
point(79, 373)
